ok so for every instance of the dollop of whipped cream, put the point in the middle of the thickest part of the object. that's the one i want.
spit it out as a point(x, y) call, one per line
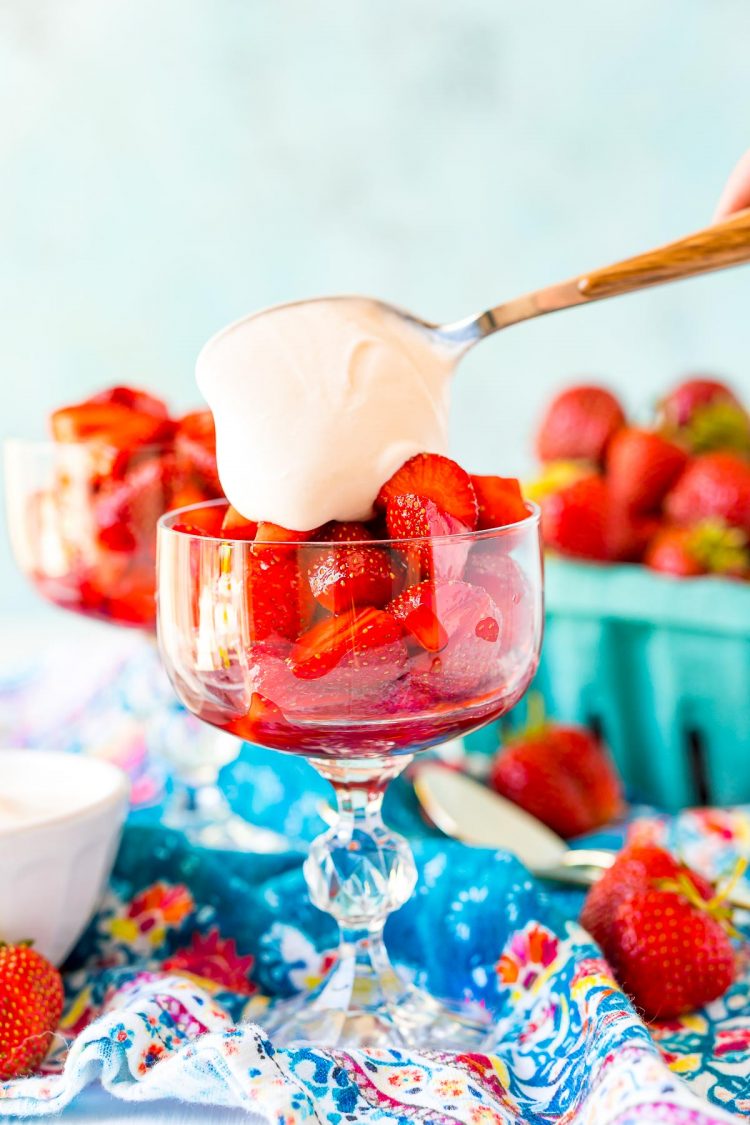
point(317, 404)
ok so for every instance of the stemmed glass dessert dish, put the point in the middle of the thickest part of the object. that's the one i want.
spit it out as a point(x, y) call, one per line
point(358, 653)
point(82, 513)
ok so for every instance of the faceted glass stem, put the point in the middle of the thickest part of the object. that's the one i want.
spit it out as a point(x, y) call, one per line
point(359, 871)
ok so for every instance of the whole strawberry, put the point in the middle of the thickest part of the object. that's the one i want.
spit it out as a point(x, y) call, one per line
point(31, 1001)
point(641, 468)
point(663, 932)
point(705, 415)
point(714, 486)
point(576, 519)
point(709, 547)
point(562, 775)
point(579, 424)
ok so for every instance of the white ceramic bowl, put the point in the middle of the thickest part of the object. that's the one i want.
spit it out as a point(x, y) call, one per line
point(61, 816)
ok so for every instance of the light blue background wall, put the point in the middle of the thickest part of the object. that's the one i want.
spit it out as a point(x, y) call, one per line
point(167, 165)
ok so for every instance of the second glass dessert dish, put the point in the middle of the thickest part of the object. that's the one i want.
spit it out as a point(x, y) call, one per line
point(358, 655)
point(82, 512)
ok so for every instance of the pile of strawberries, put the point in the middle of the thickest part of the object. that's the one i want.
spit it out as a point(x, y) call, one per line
point(137, 463)
point(665, 931)
point(357, 607)
point(674, 495)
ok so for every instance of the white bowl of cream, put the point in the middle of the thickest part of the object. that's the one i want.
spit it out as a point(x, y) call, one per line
point(61, 816)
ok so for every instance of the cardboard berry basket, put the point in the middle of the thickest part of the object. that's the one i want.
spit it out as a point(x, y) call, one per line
point(660, 666)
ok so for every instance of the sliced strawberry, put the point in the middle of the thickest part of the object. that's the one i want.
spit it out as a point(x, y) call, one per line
point(201, 521)
point(435, 478)
point(127, 511)
point(198, 426)
point(274, 533)
point(414, 517)
point(500, 501)
point(277, 596)
point(110, 423)
point(140, 401)
point(347, 532)
point(470, 662)
point(364, 636)
point(415, 610)
point(195, 448)
point(502, 578)
point(235, 526)
point(348, 576)
point(575, 519)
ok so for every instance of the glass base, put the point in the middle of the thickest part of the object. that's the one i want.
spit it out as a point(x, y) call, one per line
point(397, 1014)
point(205, 817)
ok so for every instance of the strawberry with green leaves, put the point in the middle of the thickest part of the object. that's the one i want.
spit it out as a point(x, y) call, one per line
point(664, 931)
point(709, 547)
point(705, 415)
point(715, 486)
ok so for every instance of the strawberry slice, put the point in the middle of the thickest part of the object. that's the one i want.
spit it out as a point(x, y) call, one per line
point(435, 478)
point(348, 532)
point(347, 576)
point(470, 661)
point(110, 423)
point(364, 637)
point(235, 526)
point(140, 401)
point(195, 447)
point(274, 533)
point(505, 582)
point(414, 517)
point(415, 610)
point(126, 512)
point(278, 599)
point(500, 501)
point(206, 522)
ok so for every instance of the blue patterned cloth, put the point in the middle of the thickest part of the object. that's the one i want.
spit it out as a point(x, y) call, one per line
point(167, 989)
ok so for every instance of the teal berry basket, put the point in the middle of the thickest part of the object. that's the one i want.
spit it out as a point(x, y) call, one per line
point(661, 668)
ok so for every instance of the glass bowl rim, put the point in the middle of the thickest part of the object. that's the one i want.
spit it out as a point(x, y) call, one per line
point(477, 536)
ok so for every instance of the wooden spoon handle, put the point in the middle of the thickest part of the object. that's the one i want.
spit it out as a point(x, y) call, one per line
point(725, 244)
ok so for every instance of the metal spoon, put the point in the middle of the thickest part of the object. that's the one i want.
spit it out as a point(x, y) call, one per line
point(716, 247)
point(468, 811)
